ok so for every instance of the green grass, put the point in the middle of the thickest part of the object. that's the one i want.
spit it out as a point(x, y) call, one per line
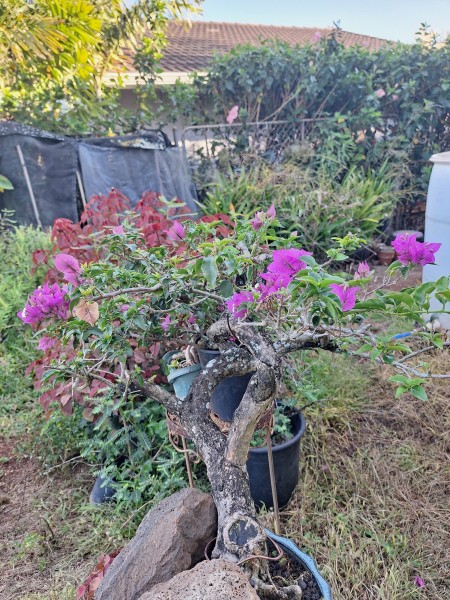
point(372, 501)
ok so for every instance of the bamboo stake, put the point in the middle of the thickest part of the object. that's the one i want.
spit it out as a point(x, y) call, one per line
point(273, 483)
point(30, 189)
point(188, 462)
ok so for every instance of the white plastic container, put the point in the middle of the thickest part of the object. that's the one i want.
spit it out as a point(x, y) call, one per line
point(437, 225)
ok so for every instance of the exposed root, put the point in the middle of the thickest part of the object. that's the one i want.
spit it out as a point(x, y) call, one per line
point(269, 591)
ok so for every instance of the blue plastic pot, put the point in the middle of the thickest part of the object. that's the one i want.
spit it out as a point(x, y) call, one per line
point(182, 379)
point(295, 553)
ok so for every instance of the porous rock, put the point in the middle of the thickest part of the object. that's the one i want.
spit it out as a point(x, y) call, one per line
point(171, 538)
point(209, 580)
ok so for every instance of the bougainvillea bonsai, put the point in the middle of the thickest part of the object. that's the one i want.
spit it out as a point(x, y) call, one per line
point(242, 289)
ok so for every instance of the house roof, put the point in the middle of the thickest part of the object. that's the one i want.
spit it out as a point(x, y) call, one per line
point(192, 49)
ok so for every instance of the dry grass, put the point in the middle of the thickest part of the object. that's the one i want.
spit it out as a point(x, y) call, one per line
point(373, 503)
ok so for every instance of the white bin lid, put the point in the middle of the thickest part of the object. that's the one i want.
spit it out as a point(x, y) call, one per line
point(442, 157)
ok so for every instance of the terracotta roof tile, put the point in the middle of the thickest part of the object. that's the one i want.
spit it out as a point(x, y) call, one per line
point(192, 49)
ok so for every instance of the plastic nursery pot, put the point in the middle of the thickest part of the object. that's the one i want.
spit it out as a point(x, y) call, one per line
point(103, 491)
point(286, 460)
point(228, 394)
point(181, 379)
point(294, 553)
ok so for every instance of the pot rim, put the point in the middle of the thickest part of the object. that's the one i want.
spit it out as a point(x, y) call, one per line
point(176, 373)
point(289, 442)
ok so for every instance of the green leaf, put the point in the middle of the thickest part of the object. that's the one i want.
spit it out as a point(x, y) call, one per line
point(373, 304)
point(209, 269)
point(399, 379)
point(400, 390)
point(418, 392)
point(5, 183)
point(226, 288)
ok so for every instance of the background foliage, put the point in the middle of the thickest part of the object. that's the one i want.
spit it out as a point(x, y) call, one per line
point(389, 104)
point(56, 54)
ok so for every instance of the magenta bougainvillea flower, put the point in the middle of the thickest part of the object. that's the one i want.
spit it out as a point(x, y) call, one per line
point(287, 261)
point(261, 217)
point(165, 323)
point(362, 271)
point(46, 342)
point(119, 230)
point(412, 252)
point(233, 114)
point(44, 303)
point(347, 295)
point(176, 233)
point(285, 265)
point(380, 93)
point(420, 583)
point(69, 267)
point(234, 304)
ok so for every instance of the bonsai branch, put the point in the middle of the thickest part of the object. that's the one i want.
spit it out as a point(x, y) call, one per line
point(256, 401)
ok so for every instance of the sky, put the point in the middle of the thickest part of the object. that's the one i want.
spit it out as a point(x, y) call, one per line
point(390, 19)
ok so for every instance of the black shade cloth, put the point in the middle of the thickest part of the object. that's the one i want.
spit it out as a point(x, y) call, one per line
point(132, 164)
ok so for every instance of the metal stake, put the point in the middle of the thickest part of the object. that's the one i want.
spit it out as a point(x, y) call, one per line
point(188, 462)
point(273, 484)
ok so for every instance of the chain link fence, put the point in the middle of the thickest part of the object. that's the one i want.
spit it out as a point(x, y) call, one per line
point(224, 147)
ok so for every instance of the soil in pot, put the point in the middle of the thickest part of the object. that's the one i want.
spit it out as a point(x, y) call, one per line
point(288, 571)
point(228, 394)
point(286, 458)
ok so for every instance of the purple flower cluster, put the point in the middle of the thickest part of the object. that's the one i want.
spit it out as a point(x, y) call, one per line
point(280, 272)
point(236, 301)
point(45, 302)
point(412, 252)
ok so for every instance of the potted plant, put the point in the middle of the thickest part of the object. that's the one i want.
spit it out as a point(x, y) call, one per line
point(289, 427)
point(181, 371)
point(256, 297)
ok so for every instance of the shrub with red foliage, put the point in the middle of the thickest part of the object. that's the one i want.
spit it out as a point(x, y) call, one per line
point(81, 241)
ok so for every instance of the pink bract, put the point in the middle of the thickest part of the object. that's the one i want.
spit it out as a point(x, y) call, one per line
point(119, 230)
point(287, 261)
point(165, 324)
point(232, 115)
point(45, 343)
point(176, 233)
point(235, 302)
point(362, 271)
point(69, 266)
point(347, 295)
point(410, 251)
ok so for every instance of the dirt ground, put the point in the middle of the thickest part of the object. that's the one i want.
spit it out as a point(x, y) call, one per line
point(36, 517)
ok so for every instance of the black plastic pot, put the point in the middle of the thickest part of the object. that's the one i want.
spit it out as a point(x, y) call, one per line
point(103, 491)
point(228, 394)
point(286, 460)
